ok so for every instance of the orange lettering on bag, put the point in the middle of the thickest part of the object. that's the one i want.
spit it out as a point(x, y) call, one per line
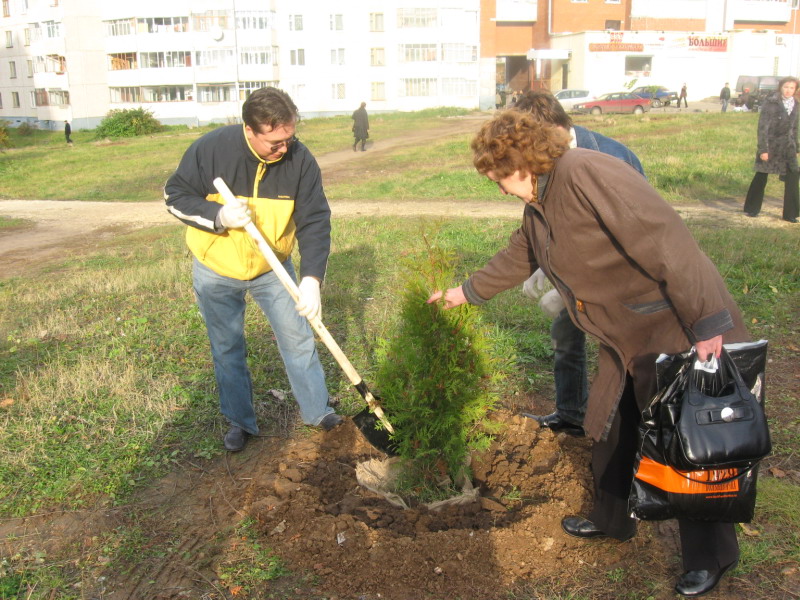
point(668, 479)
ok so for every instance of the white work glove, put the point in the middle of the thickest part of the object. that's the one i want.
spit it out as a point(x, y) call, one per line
point(551, 304)
point(535, 285)
point(309, 304)
point(234, 216)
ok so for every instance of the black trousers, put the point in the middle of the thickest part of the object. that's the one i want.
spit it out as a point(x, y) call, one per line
point(708, 546)
point(791, 195)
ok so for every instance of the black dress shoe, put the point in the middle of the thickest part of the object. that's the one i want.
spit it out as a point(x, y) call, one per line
point(556, 423)
point(584, 528)
point(791, 220)
point(697, 583)
point(331, 421)
point(749, 214)
point(236, 439)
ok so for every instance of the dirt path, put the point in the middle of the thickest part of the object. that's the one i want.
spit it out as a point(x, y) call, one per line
point(63, 228)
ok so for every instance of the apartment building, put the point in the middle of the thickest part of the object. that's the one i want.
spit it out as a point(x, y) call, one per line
point(195, 61)
point(607, 45)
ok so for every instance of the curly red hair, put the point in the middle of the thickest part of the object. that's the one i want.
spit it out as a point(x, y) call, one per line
point(516, 141)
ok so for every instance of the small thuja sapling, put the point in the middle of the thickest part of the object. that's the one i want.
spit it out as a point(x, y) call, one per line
point(437, 379)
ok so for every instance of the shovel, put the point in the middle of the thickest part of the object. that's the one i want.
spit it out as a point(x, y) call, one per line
point(366, 419)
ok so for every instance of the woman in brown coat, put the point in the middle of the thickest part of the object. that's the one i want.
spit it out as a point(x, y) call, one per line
point(630, 274)
point(777, 151)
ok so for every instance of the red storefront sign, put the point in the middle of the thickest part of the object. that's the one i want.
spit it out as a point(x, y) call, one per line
point(708, 43)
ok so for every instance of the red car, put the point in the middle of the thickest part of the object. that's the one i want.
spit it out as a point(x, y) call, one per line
point(617, 102)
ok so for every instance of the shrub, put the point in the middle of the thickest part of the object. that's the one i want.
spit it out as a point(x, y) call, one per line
point(128, 123)
point(25, 129)
point(5, 141)
point(435, 377)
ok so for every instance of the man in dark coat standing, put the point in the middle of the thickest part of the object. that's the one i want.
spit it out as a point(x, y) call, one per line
point(360, 127)
point(67, 132)
point(725, 97)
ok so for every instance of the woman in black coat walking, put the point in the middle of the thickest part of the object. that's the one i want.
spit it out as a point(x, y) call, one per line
point(360, 126)
point(777, 151)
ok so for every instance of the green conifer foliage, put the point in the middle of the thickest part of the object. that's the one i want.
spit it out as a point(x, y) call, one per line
point(436, 378)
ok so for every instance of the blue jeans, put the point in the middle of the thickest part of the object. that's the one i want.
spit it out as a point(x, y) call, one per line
point(569, 369)
point(222, 304)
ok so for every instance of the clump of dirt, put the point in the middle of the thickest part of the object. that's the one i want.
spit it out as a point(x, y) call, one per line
point(316, 517)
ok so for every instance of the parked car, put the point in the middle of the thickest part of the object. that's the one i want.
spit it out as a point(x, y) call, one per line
point(617, 102)
point(569, 98)
point(754, 89)
point(659, 95)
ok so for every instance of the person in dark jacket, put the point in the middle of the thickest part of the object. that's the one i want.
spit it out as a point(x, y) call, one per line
point(682, 96)
point(616, 252)
point(360, 127)
point(67, 132)
point(280, 184)
point(725, 96)
point(569, 342)
point(777, 151)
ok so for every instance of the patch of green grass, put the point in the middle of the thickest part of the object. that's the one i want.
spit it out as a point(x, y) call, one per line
point(250, 563)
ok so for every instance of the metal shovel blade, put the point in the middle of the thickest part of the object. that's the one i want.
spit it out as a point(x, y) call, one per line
point(366, 422)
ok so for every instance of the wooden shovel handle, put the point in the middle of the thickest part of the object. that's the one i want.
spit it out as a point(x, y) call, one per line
point(316, 322)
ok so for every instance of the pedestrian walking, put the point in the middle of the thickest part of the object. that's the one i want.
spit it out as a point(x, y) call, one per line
point(683, 97)
point(67, 132)
point(360, 127)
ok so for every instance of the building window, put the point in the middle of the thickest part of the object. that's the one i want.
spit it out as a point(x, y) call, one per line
point(377, 57)
point(376, 21)
point(248, 87)
point(9, 39)
point(58, 97)
point(417, 53)
point(6, 10)
point(297, 57)
point(125, 94)
point(637, 65)
point(56, 63)
point(53, 29)
point(459, 53)
point(459, 87)
point(295, 22)
point(119, 27)
point(210, 18)
point(41, 97)
point(27, 36)
point(614, 25)
point(122, 61)
point(220, 92)
point(417, 86)
point(579, 1)
point(612, 1)
point(14, 99)
point(160, 60)
point(337, 56)
point(255, 19)
point(416, 17)
point(12, 69)
point(29, 64)
point(32, 99)
point(1, 100)
point(162, 25)
point(264, 55)
point(377, 90)
point(167, 93)
point(214, 58)
point(337, 22)
point(337, 91)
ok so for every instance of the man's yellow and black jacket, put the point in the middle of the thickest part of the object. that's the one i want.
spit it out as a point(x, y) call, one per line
point(285, 198)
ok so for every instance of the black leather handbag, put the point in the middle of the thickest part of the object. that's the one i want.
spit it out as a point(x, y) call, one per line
point(718, 421)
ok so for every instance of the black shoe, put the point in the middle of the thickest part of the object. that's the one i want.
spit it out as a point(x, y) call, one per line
point(791, 220)
point(697, 583)
point(331, 421)
point(583, 528)
point(556, 424)
point(354, 147)
point(236, 439)
point(749, 214)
